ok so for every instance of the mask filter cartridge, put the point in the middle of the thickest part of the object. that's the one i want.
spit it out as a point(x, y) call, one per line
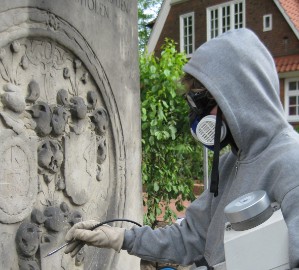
point(205, 130)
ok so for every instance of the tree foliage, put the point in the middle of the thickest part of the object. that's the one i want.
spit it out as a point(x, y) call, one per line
point(147, 12)
point(171, 159)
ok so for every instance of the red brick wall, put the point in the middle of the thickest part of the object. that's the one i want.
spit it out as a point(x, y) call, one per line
point(280, 41)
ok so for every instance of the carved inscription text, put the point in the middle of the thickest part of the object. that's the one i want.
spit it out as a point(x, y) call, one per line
point(101, 8)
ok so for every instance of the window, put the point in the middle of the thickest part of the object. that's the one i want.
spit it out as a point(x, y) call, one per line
point(292, 99)
point(224, 17)
point(267, 22)
point(187, 33)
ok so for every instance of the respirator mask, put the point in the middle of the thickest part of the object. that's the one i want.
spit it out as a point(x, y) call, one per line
point(203, 130)
point(202, 124)
point(208, 129)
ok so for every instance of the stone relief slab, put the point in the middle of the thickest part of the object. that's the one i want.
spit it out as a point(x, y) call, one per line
point(62, 157)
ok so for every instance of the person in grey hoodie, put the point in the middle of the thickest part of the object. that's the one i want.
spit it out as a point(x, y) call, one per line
point(240, 75)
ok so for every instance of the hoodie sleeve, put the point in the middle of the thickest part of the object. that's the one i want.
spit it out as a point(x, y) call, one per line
point(176, 243)
point(289, 207)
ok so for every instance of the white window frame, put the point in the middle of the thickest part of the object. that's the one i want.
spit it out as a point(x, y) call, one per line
point(265, 26)
point(287, 95)
point(221, 28)
point(182, 36)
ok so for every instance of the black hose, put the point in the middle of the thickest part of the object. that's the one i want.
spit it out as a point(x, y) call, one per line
point(113, 220)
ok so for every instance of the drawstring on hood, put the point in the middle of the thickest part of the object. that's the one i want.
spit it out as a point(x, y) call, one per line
point(215, 165)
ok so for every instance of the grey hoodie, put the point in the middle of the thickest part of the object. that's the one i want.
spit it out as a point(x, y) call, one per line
point(240, 73)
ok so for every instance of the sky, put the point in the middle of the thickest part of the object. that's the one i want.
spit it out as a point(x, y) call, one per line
point(153, 11)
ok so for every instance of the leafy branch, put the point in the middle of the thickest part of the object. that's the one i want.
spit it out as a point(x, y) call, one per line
point(171, 159)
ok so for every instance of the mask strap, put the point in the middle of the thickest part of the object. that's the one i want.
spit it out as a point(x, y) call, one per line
point(215, 166)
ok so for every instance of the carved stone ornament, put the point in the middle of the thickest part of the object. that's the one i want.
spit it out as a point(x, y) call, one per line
point(62, 156)
point(18, 176)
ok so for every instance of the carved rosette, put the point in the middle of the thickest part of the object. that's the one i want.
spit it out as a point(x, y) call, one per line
point(18, 177)
point(59, 147)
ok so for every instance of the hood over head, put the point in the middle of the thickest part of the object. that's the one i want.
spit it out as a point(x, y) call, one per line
point(240, 73)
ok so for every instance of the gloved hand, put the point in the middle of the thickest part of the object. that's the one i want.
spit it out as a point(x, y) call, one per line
point(103, 236)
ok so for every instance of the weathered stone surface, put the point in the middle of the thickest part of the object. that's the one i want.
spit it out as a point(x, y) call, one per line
point(69, 128)
point(80, 166)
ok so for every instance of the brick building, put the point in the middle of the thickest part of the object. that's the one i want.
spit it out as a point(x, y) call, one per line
point(192, 22)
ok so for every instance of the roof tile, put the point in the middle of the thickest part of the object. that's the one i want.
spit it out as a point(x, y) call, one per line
point(287, 63)
point(291, 8)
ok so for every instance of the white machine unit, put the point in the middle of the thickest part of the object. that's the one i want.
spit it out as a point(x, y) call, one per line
point(256, 237)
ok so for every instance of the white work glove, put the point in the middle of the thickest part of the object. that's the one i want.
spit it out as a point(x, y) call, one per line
point(103, 237)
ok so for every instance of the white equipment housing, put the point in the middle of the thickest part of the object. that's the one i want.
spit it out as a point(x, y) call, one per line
point(263, 246)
